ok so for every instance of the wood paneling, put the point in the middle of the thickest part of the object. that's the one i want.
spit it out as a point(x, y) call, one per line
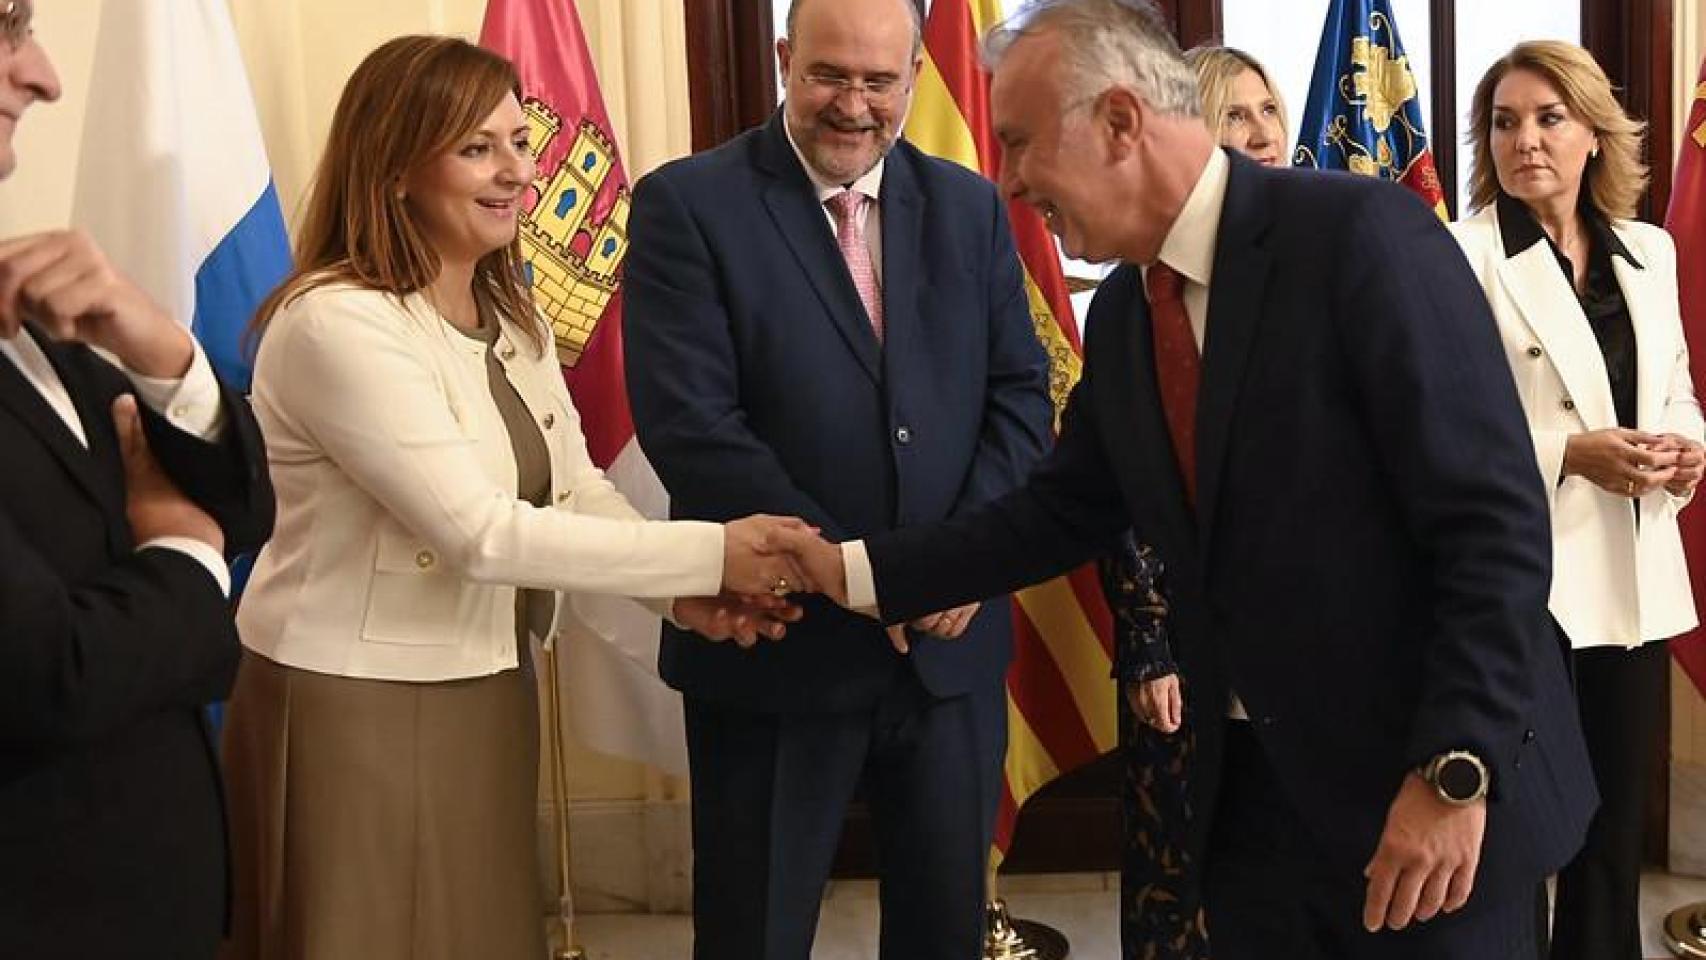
point(1442, 34)
point(730, 67)
point(1632, 40)
point(1194, 22)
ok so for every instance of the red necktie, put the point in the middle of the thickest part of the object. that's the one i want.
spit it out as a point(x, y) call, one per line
point(1178, 366)
point(850, 237)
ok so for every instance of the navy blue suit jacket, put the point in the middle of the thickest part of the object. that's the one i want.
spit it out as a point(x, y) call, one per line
point(758, 386)
point(1369, 561)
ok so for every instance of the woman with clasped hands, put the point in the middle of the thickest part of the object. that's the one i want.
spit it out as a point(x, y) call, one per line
point(434, 495)
point(1586, 303)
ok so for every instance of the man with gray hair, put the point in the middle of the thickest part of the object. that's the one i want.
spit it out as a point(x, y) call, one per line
point(1294, 390)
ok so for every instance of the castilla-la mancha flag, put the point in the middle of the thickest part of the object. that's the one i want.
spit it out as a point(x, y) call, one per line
point(1060, 702)
point(574, 232)
point(1686, 221)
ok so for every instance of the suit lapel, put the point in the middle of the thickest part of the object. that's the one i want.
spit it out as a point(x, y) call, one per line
point(792, 203)
point(1652, 305)
point(20, 397)
point(1137, 401)
point(1534, 283)
point(903, 231)
point(1234, 315)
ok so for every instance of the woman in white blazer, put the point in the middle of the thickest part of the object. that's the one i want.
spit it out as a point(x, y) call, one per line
point(1586, 303)
point(434, 494)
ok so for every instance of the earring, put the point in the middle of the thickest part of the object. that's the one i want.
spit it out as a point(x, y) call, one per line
point(1594, 153)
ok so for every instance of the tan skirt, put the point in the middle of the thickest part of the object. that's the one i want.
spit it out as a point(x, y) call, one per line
point(376, 820)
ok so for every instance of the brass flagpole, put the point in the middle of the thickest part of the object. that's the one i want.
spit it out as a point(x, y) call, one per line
point(1685, 932)
point(1005, 938)
point(562, 938)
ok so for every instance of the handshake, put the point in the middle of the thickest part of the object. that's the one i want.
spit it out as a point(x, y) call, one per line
point(768, 559)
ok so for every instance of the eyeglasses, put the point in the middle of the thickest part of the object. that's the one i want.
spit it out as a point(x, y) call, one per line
point(15, 18)
point(873, 90)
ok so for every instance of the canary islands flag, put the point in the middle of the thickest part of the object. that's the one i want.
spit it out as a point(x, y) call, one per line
point(173, 181)
point(1364, 112)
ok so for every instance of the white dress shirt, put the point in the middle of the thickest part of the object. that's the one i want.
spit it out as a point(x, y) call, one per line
point(1189, 249)
point(191, 403)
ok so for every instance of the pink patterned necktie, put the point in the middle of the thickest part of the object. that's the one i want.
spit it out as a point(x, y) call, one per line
point(850, 237)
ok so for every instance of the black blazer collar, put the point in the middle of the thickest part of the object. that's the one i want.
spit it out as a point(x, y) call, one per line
point(93, 467)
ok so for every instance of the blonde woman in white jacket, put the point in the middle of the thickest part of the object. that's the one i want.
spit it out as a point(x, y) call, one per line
point(1586, 302)
point(434, 495)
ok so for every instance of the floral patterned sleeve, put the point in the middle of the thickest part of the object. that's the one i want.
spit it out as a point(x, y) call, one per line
point(1131, 581)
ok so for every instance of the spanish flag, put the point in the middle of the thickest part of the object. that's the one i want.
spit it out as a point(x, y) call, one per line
point(1060, 701)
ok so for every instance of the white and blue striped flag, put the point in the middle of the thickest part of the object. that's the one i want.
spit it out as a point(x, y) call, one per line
point(173, 180)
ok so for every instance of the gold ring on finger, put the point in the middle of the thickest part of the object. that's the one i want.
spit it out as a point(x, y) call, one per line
point(780, 587)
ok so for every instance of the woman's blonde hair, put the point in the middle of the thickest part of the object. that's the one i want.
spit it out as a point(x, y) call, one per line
point(408, 102)
point(1616, 178)
point(1217, 67)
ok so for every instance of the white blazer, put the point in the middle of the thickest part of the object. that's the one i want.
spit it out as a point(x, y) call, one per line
point(399, 538)
point(1613, 583)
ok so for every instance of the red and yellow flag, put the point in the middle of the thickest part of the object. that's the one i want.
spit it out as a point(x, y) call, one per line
point(1686, 221)
point(1060, 700)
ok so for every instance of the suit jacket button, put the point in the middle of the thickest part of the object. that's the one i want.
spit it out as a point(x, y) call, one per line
point(903, 435)
point(1528, 736)
point(550, 420)
point(1535, 351)
point(1569, 404)
point(425, 559)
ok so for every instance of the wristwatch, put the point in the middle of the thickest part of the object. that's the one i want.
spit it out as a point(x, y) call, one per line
point(1458, 776)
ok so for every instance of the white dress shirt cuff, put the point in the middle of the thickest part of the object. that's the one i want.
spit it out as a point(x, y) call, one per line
point(199, 551)
point(861, 581)
point(190, 403)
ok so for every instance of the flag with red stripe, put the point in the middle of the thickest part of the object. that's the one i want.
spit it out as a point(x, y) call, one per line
point(574, 233)
point(1060, 700)
point(1686, 221)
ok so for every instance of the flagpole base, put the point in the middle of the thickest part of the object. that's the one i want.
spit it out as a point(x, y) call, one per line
point(1009, 939)
point(1685, 932)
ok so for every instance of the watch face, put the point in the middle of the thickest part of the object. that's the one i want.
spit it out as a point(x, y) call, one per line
point(1459, 778)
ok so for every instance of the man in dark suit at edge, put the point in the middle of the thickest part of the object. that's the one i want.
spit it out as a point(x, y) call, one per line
point(115, 627)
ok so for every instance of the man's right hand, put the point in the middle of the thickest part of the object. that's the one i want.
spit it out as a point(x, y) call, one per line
point(820, 561)
point(154, 504)
point(754, 562)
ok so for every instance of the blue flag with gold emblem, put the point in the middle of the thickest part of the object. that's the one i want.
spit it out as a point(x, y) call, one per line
point(1364, 110)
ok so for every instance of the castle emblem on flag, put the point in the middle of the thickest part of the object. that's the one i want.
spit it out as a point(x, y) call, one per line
point(1699, 133)
point(575, 234)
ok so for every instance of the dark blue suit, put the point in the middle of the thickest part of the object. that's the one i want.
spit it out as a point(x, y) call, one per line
point(759, 386)
point(1369, 561)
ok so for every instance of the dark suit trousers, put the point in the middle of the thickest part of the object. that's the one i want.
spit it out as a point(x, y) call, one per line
point(770, 792)
point(1269, 894)
point(1621, 695)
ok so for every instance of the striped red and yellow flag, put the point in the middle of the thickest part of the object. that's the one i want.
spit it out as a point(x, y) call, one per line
point(1060, 700)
